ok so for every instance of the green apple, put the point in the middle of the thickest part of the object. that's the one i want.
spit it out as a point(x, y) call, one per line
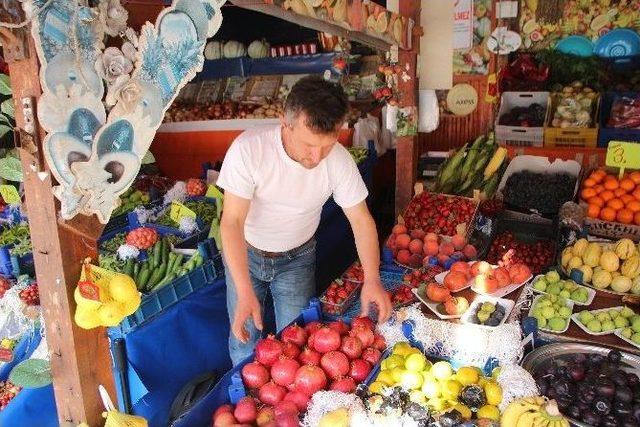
point(557, 324)
point(635, 325)
point(570, 285)
point(483, 316)
point(554, 289)
point(565, 294)
point(613, 313)
point(621, 322)
point(608, 325)
point(579, 296)
point(540, 285)
point(552, 298)
point(564, 312)
point(626, 312)
point(603, 316)
point(548, 312)
point(585, 317)
point(488, 307)
point(636, 338)
point(594, 326)
point(627, 333)
point(552, 276)
point(542, 322)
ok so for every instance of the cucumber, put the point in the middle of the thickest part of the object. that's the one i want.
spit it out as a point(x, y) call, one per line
point(136, 269)
point(156, 254)
point(144, 278)
point(177, 263)
point(128, 267)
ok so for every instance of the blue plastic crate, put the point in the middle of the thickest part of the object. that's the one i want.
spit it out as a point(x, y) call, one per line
point(156, 302)
point(607, 134)
point(14, 266)
point(120, 221)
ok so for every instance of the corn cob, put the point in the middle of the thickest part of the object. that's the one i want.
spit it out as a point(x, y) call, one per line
point(496, 161)
point(475, 176)
point(449, 177)
point(472, 154)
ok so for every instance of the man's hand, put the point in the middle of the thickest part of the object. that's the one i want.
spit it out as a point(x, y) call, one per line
point(247, 307)
point(373, 292)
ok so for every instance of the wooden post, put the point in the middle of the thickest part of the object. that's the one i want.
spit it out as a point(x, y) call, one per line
point(407, 147)
point(80, 359)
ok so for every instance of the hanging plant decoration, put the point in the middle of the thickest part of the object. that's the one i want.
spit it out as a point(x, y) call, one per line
point(101, 107)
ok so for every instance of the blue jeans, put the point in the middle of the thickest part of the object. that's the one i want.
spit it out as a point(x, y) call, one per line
point(291, 279)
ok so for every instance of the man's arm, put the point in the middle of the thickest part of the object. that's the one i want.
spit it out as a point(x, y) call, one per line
point(366, 236)
point(235, 254)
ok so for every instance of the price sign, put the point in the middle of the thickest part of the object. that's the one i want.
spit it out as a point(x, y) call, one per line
point(10, 194)
point(623, 155)
point(178, 210)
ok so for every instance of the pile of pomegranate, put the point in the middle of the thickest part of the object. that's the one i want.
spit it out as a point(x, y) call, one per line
point(286, 372)
point(30, 295)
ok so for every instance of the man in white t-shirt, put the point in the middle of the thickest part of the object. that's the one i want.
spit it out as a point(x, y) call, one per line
point(276, 180)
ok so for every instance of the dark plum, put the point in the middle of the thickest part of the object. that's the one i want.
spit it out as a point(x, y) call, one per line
point(624, 394)
point(614, 356)
point(577, 372)
point(584, 406)
point(580, 358)
point(574, 411)
point(591, 417)
point(605, 388)
point(628, 421)
point(587, 397)
point(602, 406)
point(622, 408)
point(595, 359)
point(564, 402)
point(619, 378)
point(564, 388)
point(563, 372)
point(609, 421)
point(543, 385)
point(636, 411)
point(632, 379)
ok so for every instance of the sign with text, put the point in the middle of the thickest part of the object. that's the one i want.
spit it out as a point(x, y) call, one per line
point(623, 155)
point(463, 24)
point(178, 210)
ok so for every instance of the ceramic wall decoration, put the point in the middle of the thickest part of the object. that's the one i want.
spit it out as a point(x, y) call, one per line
point(101, 107)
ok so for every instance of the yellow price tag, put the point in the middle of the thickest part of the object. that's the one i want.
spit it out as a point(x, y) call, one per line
point(178, 210)
point(214, 193)
point(623, 155)
point(10, 194)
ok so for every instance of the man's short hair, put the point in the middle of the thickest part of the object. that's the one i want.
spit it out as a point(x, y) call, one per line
point(324, 103)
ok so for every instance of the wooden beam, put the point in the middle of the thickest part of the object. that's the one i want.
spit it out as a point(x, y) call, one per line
point(80, 359)
point(407, 147)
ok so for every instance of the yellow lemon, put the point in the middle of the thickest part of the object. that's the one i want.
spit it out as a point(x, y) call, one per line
point(451, 389)
point(437, 404)
point(87, 317)
point(467, 375)
point(493, 391)
point(417, 396)
point(393, 361)
point(464, 411)
point(442, 370)
point(402, 349)
point(385, 377)
point(411, 380)
point(415, 362)
point(376, 387)
point(431, 388)
point(489, 411)
point(110, 313)
point(396, 374)
point(122, 288)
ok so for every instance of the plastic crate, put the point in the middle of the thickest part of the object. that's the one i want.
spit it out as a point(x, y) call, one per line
point(612, 230)
point(571, 136)
point(154, 304)
point(608, 134)
point(120, 221)
point(14, 266)
point(520, 135)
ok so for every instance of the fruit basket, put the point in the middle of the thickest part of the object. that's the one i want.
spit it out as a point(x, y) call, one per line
point(598, 329)
point(339, 296)
point(545, 284)
point(570, 136)
point(560, 311)
point(514, 125)
point(436, 308)
point(481, 304)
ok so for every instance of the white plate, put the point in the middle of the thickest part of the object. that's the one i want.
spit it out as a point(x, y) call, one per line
point(577, 321)
point(501, 292)
point(433, 306)
point(590, 291)
point(440, 279)
point(618, 333)
point(507, 303)
point(569, 304)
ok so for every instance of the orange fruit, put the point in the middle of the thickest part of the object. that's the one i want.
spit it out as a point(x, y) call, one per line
point(627, 184)
point(607, 214)
point(593, 211)
point(633, 206)
point(588, 193)
point(599, 188)
point(598, 175)
point(615, 204)
point(636, 218)
point(596, 200)
point(626, 198)
point(635, 177)
point(611, 184)
point(624, 216)
point(619, 192)
point(636, 193)
point(589, 182)
point(607, 195)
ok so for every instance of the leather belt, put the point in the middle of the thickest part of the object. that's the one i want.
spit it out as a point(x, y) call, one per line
point(268, 254)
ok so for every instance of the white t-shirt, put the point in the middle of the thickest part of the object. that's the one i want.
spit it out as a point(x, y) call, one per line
point(286, 198)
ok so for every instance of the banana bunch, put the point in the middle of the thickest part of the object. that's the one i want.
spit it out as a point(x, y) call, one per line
point(533, 412)
point(479, 167)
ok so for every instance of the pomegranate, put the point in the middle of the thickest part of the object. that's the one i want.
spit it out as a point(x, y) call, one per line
point(363, 321)
point(224, 408)
point(286, 407)
point(254, 375)
point(312, 327)
point(310, 379)
point(224, 419)
point(287, 420)
point(326, 340)
point(246, 411)
point(379, 342)
point(345, 385)
point(290, 350)
point(351, 346)
point(268, 350)
point(265, 415)
point(359, 370)
point(309, 357)
point(371, 355)
point(295, 334)
point(271, 393)
point(300, 399)
point(335, 364)
point(283, 372)
point(339, 326)
point(364, 334)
